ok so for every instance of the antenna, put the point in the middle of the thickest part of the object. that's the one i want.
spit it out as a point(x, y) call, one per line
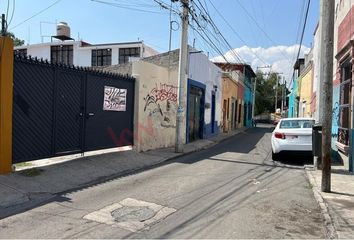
point(41, 31)
point(29, 35)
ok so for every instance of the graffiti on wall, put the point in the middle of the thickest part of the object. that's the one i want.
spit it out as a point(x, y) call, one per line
point(335, 119)
point(161, 103)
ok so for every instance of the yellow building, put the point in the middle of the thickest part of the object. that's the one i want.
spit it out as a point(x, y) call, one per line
point(305, 90)
point(229, 103)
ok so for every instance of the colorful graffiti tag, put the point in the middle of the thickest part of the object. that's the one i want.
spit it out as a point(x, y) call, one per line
point(162, 100)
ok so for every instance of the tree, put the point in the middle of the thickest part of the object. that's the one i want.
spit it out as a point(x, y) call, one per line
point(266, 90)
point(17, 41)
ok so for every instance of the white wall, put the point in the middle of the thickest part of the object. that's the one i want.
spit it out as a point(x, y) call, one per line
point(40, 52)
point(316, 71)
point(82, 55)
point(206, 72)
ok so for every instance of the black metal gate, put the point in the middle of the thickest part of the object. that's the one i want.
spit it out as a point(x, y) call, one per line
point(62, 110)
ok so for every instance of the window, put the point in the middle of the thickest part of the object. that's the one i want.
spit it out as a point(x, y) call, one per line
point(125, 53)
point(296, 123)
point(101, 57)
point(239, 113)
point(344, 102)
point(21, 52)
point(62, 54)
point(228, 109)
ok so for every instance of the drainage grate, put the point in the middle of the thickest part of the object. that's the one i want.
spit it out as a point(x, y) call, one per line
point(133, 213)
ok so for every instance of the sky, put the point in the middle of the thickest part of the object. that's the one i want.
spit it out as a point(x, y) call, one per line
point(262, 32)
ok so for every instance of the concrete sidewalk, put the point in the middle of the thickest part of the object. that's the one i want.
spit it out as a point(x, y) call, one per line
point(337, 206)
point(42, 180)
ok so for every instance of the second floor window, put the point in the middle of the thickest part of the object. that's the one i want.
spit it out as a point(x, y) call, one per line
point(126, 53)
point(101, 57)
point(21, 52)
point(62, 54)
point(344, 102)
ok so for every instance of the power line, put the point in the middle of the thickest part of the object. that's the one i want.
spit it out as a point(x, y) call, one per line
point(12, 14)
point(235, 32)
point(206, 16)
point(36, 14)
point(301, 19)
point(126, 7)
point(302, 36)
point(255, 21)
point(7, 11)
point(304, 27)
point(257, 24)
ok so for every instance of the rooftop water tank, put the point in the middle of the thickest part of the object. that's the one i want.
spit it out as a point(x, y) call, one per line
point(63, 29)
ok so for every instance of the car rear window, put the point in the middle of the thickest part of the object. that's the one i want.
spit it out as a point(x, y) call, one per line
point(296, 123)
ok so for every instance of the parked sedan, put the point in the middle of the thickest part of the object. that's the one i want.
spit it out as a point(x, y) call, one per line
point(292, 135)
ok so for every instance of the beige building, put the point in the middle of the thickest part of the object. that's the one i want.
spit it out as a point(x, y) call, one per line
point(156, 99)
point(229, 103)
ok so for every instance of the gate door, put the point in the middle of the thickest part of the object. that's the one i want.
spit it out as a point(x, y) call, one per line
point(69, 112)
point(32, 111)
point(109, 111)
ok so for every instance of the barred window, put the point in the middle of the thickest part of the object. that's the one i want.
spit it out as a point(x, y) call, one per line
point(101, 57)
point(344, 102)
point(62, 54)
point(125, 53)
point(21, 52)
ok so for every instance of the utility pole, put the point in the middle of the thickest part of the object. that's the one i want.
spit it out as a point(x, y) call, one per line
point(254, 97)
point(282, 97)
point(326, 67)
point(182, 80)
point(3, 25)
point(276, 92)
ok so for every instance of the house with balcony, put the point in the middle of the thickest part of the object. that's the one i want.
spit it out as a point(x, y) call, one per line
point(342, 114)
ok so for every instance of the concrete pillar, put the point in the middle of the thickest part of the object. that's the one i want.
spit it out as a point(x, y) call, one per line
point(6, 101)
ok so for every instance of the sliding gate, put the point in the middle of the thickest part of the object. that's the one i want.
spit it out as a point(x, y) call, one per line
point(61, 110)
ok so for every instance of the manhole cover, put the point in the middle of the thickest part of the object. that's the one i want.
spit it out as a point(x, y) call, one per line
point(133, 213)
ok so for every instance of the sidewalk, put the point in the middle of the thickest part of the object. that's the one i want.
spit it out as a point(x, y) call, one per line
point(337, 206)
point(39, 181)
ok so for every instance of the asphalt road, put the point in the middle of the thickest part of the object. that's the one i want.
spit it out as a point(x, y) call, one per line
point(232, 190)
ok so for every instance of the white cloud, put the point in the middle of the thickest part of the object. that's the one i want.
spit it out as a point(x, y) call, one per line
point(281, 58)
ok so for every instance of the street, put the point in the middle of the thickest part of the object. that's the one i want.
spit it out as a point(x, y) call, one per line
point(232, 190)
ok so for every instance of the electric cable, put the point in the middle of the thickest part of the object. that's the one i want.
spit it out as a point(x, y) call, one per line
point(235, 32)
point(36, 14)
point(302, 37)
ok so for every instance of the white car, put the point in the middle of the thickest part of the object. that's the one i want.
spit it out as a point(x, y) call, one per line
point(292, 135)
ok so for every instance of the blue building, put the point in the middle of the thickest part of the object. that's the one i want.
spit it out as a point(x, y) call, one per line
point(248, 78)
point(293, 109)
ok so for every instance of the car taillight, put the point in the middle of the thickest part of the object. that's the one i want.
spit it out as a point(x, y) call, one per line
point(279, 135)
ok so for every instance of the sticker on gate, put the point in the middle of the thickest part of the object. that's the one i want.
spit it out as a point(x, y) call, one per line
point(115, 99)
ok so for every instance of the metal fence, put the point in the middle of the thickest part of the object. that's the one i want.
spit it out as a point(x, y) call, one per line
point(61, 110)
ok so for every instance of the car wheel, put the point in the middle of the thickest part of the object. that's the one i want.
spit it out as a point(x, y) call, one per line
point(275, 156)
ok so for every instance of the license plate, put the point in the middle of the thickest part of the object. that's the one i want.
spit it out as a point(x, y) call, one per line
point(291, 137)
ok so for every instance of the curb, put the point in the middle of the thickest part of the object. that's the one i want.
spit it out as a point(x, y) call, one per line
point(331, 232)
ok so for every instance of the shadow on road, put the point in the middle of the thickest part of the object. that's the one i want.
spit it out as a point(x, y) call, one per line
point(243, 142)
point(240, 143)
point(296, 160)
